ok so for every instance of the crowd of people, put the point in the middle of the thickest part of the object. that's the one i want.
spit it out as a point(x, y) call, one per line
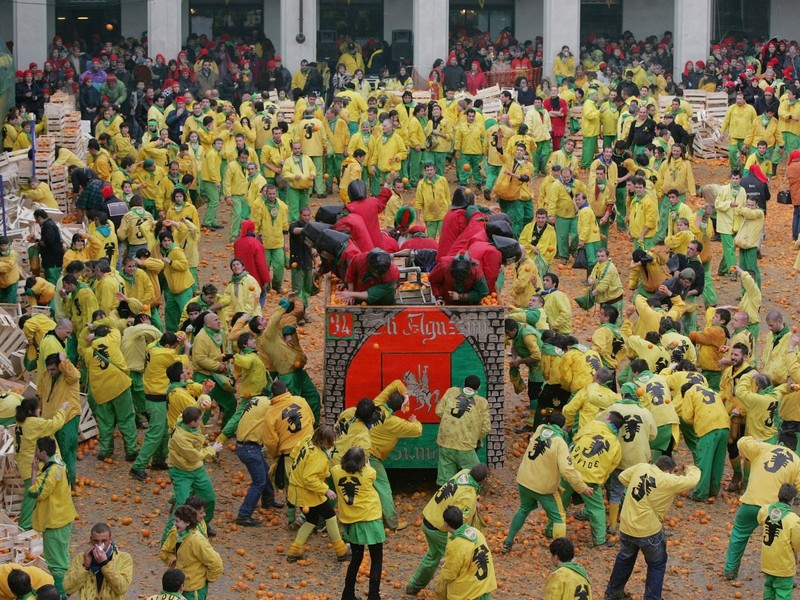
point(134, 324)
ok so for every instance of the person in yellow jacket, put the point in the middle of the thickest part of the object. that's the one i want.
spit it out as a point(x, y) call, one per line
point(643, 217)
point(388, 153)
point(250, 374)
point(287, 421)
point(314, 142)
point(539, 128)
point(789, 120)
point(678, 242)
point(60, 382)
point(545, 463)
point(568, 580)
point(439, 134)
point(588, 231)
point(180, 282)
point(527, 280)
point(54, 512)
point(101, 558)
point(309, 491)
point(193, 554)
point(188, 454)
point(467, 569)
point(100, 161)
point(234, 189)
point(605, 283)
point(589, 401)
point(271, 218)
point(109, 389)
point(538, 238)
point(636, 435)
point(432, 199)
point(703, 409)
point(30, 427)
point(243, 290)
point(565, 157)
point(557, 305)
point(130, 230)
point(182, 393)
point(760, 399)
point(9, 272)
point(40, 193)
point(211, 177)
point(771, 466)
point(564, 65)
point(675, 174)
point(415, 134)
point(352, 169)
point(460, 492)
point(749, 236)
point(780, 544)
point(469, 142)
point(83, 248)
point(255, 183)
point(601, 193)
point(210, 362)
point(651, 490)
point(300, 172)
point(562, 212)
point(360, 516)
point(596, 453)
point(737, 123)
point(35, 577)
point(338, 139)
point(590, 127)
point(512, 188)
point(465, 422)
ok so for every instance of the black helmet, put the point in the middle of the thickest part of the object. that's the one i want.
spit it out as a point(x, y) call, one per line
point(461, 266)
point(508, 247)
point(313, 231)
point(499, 227)
point(357, 190)
point(378, 262)
point(462, 198)
point(332, 242)
point(328, 214)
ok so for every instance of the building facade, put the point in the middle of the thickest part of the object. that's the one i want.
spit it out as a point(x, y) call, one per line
point(294, 25)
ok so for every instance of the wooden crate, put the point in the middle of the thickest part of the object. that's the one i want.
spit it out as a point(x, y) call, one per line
point(28, 542)
point(13, 491)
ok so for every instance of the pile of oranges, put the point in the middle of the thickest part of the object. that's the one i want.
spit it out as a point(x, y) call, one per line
point(490, 300)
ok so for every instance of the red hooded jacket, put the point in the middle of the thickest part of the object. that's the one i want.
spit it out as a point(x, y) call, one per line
point(250, 251)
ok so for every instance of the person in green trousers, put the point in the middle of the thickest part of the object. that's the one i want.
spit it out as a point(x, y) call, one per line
point(187, 455)
point(301, 259)
point(460, 491)
point(180, 283)
point(54, 512)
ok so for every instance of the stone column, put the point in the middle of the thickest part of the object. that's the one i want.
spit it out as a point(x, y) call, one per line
point(562, 26)
point(691, 32)
point(164, 30)
point(30, 33)
point(292, 48)
point(431, 30)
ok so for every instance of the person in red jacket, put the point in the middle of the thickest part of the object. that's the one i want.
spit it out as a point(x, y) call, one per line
point(369, 208)
point(458, 280)
point(418, 239)
point(248, 249)
point(476, 79)
point(492, 257)
point(354, 225)
point(371, 278)
point(455, 221)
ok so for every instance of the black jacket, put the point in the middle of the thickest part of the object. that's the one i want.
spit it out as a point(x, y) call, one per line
point(756, 189)
point(51, 248)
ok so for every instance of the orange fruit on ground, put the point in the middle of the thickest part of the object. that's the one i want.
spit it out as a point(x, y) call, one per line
point(145, 533)
point(794, 328)
point(114, 498)
point(240, 551)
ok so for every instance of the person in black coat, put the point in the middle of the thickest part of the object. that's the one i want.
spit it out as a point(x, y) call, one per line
point(88, 100)
point(314, 81)
point(51, 247)
point(454, 76)
point(678, 133)
point(767, 101)
point(29, 94)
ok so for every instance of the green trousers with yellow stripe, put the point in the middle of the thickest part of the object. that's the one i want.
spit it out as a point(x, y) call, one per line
point(552, 506)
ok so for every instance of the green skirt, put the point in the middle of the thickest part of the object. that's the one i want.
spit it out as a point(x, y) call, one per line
point(364, 533)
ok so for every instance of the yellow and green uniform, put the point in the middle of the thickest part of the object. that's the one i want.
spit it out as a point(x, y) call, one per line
point(527, 280)
point(788, 112)
point(272, 223)
point(287, 421)
point(180, 396)
point(590, 130)
point(351, 170)
point(703, 409)
point(761, 407)
point(39, 577)
point(211, 176)
point(748, 239)
point(187, 455)
point(109, 390)
point(595, 454)
point(728, 222)
point(9, 276)
point(130, 230)
point(234, 186)
point(560, 205)
point(359, 505)
point(469, 142)
point(587, 403)
point(643, 213)
point(558, 308)
point(544, 240)
point(779, 547)
point(53, 516)
point(465, 422)
point(42, 194)
point(54, 391)
point(567, 582)
point(545, 463)
point(433, 202)
point(299, 173)
point(117, 574)
point(339, 139)
point(207, 351)
point(461, 491)
point(250, 373)
point(737, 124)
point(770, 467)
point(588, 234)
point(26, 434)
point(197, 559)
point(467, 570)
point(180, 285)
